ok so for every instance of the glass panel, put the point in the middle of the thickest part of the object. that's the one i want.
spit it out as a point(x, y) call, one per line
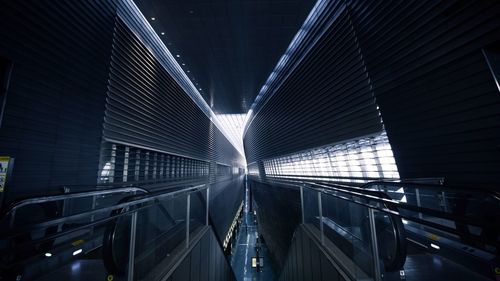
point(311, 211)
point(45, 256)
point(197, 210)
point(161, 232)
point(346, 225)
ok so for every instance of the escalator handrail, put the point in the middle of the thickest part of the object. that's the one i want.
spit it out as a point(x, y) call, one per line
point(492, 193)
point(325, 187)
point(11, 211)
point(369, 194)
point(374, 195)
point(374, 181)
point(150, 198)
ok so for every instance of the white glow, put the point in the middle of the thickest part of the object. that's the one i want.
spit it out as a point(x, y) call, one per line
point(48, 255)
point(435, 246)
point(233, 125)
point(153, 18)
point(77, 252)
point(366, 157)
point(106, 170)
point(404, 221)
point(403, 199)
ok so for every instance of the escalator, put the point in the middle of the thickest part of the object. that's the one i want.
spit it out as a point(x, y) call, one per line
point(387, 231)
point(136, 235)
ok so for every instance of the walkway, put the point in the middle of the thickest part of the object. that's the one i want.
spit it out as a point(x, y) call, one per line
point(241, 261)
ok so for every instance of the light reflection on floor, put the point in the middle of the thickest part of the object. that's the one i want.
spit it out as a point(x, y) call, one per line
point(245, 250)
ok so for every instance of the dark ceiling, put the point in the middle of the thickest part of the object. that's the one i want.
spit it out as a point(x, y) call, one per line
point(227, 47)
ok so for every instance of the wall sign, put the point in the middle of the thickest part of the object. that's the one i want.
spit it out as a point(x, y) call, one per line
point(4, 168)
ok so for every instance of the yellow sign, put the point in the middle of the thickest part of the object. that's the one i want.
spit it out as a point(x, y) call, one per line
point(254, 262)
point(433, 237)
point(4, 167)
point(77, 242)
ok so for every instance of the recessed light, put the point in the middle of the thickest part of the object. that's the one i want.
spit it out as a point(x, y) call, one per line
point(48, 255)
point(178, 56)
point(79, 251)
point(188, 71)
point(163, 33)
point(435, 246)
point(199, 89)
point(153, 18)
point(183, 64)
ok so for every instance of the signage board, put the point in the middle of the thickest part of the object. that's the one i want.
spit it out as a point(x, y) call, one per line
point(4, 168)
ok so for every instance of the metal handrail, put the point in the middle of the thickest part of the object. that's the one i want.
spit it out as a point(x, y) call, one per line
point(331, 177)
point(372, 181)
point(132, 203)
point(137, 203)
point(363, 193)
point(11, 211)
point(492, 193)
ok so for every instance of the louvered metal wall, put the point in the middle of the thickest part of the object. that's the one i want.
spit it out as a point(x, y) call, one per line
point(54, 112)
point(146, 106)
point(423, 62)
point(322, 94)
point(439, 101)
point(148, 110)
point(92, 82)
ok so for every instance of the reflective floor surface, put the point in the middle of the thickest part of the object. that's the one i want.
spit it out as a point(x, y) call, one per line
point(245, 249)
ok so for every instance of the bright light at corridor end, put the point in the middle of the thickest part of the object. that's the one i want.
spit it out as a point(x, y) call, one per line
point(233, 125)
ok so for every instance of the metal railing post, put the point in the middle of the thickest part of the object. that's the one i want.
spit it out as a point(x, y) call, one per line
point(320, 213)
point(131, 258)
point(445, 205)
point(373, 234)
point(417, 194)
point(208, 206)
point(302, 203)
point(188, 209)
